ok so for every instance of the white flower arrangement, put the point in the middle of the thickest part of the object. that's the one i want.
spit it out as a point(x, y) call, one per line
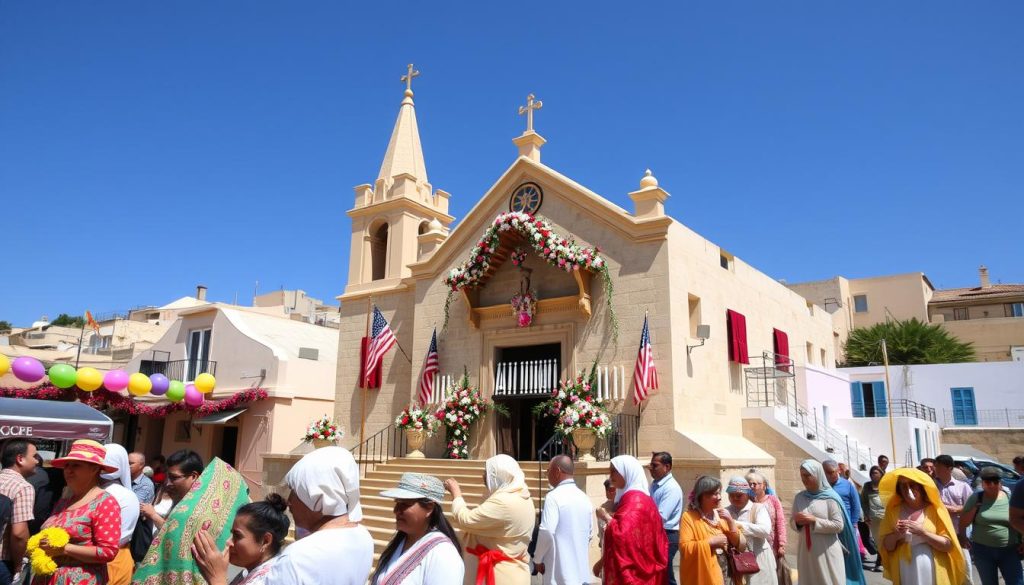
point(323, 429)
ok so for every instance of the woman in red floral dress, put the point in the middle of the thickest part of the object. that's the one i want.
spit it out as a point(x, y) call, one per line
point(91, 517)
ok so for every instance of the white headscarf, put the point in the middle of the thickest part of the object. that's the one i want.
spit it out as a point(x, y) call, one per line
point(117, 457)
point(633, 472)
point(814, 468)
point(119, 485)
point(504, 474)
point(327, 481)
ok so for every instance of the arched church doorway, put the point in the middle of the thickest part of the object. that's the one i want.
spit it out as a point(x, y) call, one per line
point(525, 376)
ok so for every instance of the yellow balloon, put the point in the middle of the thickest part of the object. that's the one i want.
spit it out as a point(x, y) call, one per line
point(139, 384)
point(205, 383)
point(5, 364)
point(88, 379)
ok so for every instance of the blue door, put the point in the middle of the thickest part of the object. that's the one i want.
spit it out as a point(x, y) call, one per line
point(857, 399)
point(867, 399)
point(964, 411)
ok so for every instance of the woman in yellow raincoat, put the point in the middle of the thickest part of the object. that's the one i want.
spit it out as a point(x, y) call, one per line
point(918, 544)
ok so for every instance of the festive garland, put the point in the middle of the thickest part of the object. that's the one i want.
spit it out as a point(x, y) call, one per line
point(562, 253)
point(104, 398)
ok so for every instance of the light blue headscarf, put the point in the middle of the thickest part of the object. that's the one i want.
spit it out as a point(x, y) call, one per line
point(851, 558)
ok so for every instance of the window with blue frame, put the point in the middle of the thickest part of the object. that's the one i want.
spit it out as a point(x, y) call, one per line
point(964, 410)
point(868, 399)
point(917, 443)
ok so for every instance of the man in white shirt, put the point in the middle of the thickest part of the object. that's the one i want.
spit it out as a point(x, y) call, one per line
point(563, 543)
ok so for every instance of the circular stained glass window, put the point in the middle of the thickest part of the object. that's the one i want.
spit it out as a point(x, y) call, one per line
point(526, 198)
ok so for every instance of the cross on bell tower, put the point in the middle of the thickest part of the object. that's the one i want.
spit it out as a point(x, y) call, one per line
point(531, 105)
point(407, 79)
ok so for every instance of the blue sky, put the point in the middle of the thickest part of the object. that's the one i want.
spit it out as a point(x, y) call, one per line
point(147, 147)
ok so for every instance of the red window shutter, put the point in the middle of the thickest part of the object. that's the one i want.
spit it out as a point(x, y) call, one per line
point(736, 329)
point(375, 380)
point(781, 342)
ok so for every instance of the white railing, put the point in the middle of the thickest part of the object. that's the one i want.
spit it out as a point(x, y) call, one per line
point(528, 378)
point(443, 384)
point(611, 383)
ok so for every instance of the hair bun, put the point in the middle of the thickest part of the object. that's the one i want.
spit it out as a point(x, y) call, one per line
point(277, 502)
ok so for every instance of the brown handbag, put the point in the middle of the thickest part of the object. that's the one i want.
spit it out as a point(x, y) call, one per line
point(742, 562)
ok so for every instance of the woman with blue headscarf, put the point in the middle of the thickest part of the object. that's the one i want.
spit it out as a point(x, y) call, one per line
point(826, 546)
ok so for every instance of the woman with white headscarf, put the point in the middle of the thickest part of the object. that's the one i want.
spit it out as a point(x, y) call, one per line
point(325, 502)
point(827, 547)
point(119, 484)
point(635, 543)
point(498, 531)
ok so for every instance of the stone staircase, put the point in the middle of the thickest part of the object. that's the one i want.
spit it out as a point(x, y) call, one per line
point(378, 516)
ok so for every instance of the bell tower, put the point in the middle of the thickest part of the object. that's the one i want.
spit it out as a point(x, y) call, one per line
point(400, 218)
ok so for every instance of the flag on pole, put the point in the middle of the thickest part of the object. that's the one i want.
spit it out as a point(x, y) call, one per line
point(381, 340)
point(92, 322)
point(645, 375)
point(431, 367)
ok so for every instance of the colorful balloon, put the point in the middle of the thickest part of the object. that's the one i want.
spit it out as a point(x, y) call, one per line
point(205, 383)
point(175, 391)
point(28, 369)
point(160, 384)
point(88, 379)
point(193, 397)
point(62, 375)
point(5, 364)
point(139, 384)
point(115, 380)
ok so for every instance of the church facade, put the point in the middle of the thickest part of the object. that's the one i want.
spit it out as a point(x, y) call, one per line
point(405, 247)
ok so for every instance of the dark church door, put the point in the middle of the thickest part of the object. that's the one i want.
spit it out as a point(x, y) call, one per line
point(525, 377)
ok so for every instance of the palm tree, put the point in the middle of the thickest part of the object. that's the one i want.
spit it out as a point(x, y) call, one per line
point(908, 342)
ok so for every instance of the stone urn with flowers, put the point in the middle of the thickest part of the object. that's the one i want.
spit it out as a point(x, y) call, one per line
point(418, 424)
point(323, 432)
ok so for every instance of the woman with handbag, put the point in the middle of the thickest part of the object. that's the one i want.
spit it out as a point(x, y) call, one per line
point(706, 533)
point(756, 526)
point(827, 551)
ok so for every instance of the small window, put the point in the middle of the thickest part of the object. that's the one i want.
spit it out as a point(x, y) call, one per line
point(1015, 310)
point(725, 259)
point(960, 314)
point(694, 306)
point(860, 303)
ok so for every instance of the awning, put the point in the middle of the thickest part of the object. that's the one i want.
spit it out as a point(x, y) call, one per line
point(52, 419)
point(219, 418)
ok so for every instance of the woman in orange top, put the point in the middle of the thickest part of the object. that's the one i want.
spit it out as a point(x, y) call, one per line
point(706, 530)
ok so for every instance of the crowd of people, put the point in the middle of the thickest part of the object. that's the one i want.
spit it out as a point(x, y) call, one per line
point(183, 520)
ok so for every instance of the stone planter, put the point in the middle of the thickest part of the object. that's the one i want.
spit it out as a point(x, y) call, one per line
point(584, 439)
point(415, 439)
point(317, 443)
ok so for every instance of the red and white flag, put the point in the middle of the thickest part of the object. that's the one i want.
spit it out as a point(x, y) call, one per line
point(382, 338)
point(645, 375)
point(431, 366)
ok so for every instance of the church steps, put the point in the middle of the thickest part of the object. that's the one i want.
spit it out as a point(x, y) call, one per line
point(378, 511)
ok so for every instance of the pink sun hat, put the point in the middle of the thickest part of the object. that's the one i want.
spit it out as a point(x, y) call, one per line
point(85, 451)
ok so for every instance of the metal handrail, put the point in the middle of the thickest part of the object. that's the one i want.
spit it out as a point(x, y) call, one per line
point(379, 448)
point(178, 369)
point(991, 417)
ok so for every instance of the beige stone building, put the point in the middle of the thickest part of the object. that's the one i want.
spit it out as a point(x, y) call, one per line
point(403, 246)
point(990, 316)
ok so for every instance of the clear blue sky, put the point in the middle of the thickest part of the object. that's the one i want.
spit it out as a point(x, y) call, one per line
point(147, 147)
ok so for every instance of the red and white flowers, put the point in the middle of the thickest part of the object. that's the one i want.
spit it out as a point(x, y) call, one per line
point(560, 252)
point(323, 429)
point(574, 406)
point(464, 406)
point(416, 418)
point(524, 306)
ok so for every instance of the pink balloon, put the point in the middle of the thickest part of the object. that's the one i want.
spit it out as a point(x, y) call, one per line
point(28, 369)
point(193, 397)
point(115, 380)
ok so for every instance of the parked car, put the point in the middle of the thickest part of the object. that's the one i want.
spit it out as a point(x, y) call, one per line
point(971, 466)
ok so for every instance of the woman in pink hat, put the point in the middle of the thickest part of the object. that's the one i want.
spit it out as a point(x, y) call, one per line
point(91, 516)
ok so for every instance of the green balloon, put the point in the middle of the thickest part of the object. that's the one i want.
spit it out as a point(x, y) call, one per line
point(175, 391)
point(62, 375)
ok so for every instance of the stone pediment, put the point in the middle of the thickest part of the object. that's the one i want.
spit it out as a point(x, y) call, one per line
point(590, 204)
